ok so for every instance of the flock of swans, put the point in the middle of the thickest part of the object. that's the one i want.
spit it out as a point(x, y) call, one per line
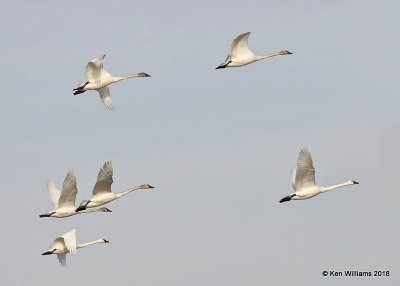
point(64, 206)
point(97, 78)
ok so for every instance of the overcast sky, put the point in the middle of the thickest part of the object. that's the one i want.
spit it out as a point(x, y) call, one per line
point(217, 145)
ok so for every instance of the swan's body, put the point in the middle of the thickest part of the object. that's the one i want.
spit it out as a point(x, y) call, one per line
point(66, 243)
point(98, 79)
point(64, 201)
point(303, 179)
point(241, 55)
point(102, 193)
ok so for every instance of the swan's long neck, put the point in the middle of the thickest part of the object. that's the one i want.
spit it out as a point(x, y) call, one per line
point(81, 245)
point(325, 189)
point(118, 195)
point(119, 78)
point(269, 55)
point(90, 210)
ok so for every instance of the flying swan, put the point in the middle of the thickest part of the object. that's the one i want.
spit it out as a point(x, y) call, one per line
point(102, 193)
point(64, 201)
point(66, 243)
point(241, 55)
point(303, 179)
point(99, 79)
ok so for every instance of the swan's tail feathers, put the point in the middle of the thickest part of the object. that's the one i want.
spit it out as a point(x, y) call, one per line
point(287, 198)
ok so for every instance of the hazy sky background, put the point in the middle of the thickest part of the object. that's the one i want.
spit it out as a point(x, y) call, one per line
point(218, 145)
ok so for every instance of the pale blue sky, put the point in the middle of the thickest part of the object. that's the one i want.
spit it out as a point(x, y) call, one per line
point(218, 145)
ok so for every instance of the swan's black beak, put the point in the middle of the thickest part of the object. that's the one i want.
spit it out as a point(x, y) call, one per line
point(355, 183)
point(151, 187)
point(105, 240)
point(108, 210)
point(220, 67)
point(289, 53)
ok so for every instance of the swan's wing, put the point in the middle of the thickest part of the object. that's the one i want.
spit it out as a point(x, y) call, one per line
point(240, 45)
point(104, 179)
point(294, 178)
point(70, 240)
point(54, 192)
point(305, 172)
point(93, 69)
point(106, 98)
point(68, 194)
point(62, 258)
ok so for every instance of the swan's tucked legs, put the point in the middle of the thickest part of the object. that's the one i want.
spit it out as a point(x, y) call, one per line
point(81, 208)
point(287, 198)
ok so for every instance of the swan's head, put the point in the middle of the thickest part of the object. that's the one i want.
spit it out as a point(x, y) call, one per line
point(284, 52)
point(143, 74)
point(105, 210)
point(353, 182)
point(146, 186)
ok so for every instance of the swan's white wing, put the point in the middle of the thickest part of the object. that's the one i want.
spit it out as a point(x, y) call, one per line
point(93, 69)
point(106, 98)
point(104, 179)
point(54, 192)
point(62, 258)
point(68, 194)
point(294, 178)
point(305, 172)
point(240, 46)
point(70, 240)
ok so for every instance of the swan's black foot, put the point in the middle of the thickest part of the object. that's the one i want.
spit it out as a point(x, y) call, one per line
point(47, 215)
point(287, 198)
point(78, 91)
point(80, 208)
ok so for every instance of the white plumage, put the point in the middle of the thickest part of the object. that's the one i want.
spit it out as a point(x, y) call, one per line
point(102, 193)
point(66, 243)
point(97, 78)
point(241, 55)
point(303, 179)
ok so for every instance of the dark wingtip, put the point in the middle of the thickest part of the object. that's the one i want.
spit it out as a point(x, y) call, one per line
point(219, 67)
point(106, 241)
point(108, 210)
point(289, 53)
point(151, 187)
point(355, 183)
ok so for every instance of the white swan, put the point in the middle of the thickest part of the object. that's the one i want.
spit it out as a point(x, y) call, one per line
point(303, 179)
point(98, 79)
point(102, 193)
point(66, 243)
point(64, 201)
point(241, 55)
